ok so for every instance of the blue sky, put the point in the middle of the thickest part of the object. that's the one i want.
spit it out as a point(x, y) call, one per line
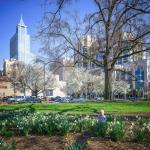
point(31, 10)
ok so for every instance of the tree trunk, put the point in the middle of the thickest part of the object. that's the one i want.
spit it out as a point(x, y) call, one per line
point(14, 90)
point(24, 92)
point(108, 84)
point(35, 93)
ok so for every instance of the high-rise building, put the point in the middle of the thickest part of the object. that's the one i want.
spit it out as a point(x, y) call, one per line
point(85, 47)
point(20, 44)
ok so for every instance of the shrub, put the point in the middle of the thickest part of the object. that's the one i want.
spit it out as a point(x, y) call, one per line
point(141, 130)
point(116, 130)
point(100, 129)
point(76, 146)
point(139, 135)
point(6, 133)
point(63, 126)
point(87, 123)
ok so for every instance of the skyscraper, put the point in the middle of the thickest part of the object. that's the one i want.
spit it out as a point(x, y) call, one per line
point(20, 44)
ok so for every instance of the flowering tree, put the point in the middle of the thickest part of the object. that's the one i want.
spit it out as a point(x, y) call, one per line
point(82, 82)
point(119, 87)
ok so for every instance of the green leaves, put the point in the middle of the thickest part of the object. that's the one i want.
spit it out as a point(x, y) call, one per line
point(100, 129)
point(5, 146)
point(116, 131)
point(27, 122)
point(76, 146)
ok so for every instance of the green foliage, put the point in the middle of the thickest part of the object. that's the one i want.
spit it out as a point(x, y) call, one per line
point(83, 124)
point(76, 146)
point(29, 122)
point(117, 118)
point(139, 135)
point(141, 130)
point(5, 146)
point(48, 123)
point(116, 130)
point(100, 129)
point(6, 133)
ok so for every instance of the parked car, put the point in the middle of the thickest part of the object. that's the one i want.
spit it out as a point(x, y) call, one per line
point(31, 99)
point(51, 100)
point(80, 99)
point(132, 98)
point(37, 100)
point(10, 100)
point(99, 98)
point(58, 101)
point(65, 99)
point(20, 98)
point(6, 98)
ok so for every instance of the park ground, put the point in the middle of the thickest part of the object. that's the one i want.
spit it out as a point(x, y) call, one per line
point(45, 142)
point(120, 108)
point(33, 142)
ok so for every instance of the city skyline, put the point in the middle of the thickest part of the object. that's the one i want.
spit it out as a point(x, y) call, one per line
point(10, 14)
point(8, 25)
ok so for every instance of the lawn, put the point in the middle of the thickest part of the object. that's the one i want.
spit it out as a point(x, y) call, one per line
point(84, 108)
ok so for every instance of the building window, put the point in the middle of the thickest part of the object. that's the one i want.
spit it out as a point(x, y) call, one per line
point(149, 78)
point(129, 76)
point(148, 68)
point(139, 74)
point(122, 76)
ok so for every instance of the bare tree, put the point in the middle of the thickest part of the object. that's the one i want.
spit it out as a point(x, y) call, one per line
point(30, 77)
point(121, 29)
point(13, 78)
point(34, 79)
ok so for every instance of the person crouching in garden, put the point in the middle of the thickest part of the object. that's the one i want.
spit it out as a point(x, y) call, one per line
point(102, 117)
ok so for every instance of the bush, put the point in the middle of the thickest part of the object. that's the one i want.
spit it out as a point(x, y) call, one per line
point(100, 129)
point(63, 127)
point(82, 124)
point(116, 130)
point(87, 123)
point(76, 146)
point(139, 135)
point(6, 133)
point(141, 130)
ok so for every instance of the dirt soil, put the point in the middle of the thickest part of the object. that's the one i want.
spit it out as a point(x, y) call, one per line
point(34, 142)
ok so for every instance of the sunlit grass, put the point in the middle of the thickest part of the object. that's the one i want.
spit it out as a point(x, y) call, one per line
point(83, 108)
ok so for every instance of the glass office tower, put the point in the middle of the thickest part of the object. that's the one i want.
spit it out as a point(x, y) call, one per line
point(20, 44)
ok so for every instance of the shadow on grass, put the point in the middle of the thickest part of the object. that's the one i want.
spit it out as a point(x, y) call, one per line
point(75, 109)
point(29, 107)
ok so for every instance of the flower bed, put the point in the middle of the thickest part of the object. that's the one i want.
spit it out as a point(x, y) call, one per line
point(26, 123)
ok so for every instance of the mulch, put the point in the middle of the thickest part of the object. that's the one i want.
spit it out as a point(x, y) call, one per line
point(34, 142)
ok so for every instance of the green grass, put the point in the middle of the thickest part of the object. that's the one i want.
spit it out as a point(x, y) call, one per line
point(84, 108)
